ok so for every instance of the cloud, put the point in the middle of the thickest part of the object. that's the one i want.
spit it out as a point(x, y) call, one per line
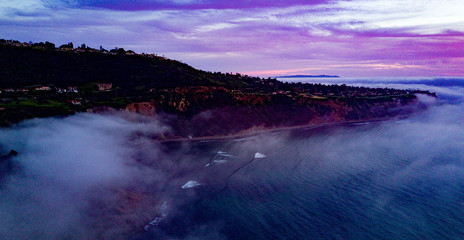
point(188, 4)
point(69, 165)
point(269, 34)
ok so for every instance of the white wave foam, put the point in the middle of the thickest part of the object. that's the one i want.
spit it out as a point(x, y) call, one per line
point(164, 208)
point(226, 155)
point(157, 220)
point(360, 123)
point(244, 139)
point(191, 184)
point(220, 161)
point(259, 155)
point(310, 128)
point(401, 121)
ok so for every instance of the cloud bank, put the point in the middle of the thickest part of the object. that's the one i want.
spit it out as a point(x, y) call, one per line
point(348, 38)
point(67, 167)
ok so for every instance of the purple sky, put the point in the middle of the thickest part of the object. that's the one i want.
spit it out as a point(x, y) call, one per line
point(351, 38)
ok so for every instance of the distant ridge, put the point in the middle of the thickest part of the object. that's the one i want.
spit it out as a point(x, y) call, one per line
point(309, 76)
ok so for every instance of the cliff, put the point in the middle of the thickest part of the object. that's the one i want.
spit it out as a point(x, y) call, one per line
point(38, 81)
point(213, 111)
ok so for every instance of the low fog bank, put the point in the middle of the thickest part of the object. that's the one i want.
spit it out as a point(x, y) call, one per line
point(449, 90)
point(75, 176)
point(399, 179)
point(101, 176)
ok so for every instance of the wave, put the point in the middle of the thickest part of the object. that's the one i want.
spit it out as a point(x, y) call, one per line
point(190, 184)
point(220, 161)
point(163, 214)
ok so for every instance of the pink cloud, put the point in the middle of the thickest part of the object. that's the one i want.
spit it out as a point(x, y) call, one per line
point(139, 5)
point(259, 37)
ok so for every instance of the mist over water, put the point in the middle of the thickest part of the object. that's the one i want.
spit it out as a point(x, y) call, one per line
point(449, 90)
point(103, 177)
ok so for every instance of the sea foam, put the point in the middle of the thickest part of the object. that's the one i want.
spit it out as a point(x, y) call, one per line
point(157, 220)
point(191, 184)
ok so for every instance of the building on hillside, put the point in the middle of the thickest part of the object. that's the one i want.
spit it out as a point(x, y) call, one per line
point(16, 43)
point(67, 47)
point(43, 88)
point(20, 44)
point(72, 89)
point(16, 90)
point(104, 86)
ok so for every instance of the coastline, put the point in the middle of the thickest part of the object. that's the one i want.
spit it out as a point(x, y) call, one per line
point(254, 132)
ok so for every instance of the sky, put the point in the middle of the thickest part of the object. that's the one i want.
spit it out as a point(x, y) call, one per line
point(349, 38)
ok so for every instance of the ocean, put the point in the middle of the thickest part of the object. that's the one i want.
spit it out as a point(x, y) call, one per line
point(396, 179)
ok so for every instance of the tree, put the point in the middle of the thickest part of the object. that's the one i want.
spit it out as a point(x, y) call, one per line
point(121, 51)
point(49, 45)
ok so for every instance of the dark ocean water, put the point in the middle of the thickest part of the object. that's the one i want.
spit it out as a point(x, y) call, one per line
point(351, 182)
point(399, 179)
point(396, 179)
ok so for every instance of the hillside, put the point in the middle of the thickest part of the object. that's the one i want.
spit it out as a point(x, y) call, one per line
point(41, 80)
point(27, 66)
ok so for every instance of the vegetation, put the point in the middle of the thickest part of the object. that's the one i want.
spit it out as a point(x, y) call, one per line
point(40, 80)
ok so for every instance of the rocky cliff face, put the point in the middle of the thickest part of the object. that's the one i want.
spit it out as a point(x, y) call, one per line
point(218, 112)
point(144, 108)
point(234, 119)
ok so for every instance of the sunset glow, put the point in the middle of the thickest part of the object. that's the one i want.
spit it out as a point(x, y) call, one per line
point(358, 38)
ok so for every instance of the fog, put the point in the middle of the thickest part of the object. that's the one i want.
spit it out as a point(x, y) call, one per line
point(65, 165)
point(102, 176)
point(447, 89)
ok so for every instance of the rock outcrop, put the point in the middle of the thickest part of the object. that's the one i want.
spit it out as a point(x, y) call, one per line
point(144, 108)
point(7, 165)
point(221, 113)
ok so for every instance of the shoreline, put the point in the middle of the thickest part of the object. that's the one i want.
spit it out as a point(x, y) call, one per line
point(252, 133)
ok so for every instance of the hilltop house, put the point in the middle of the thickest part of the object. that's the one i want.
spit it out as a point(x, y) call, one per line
point(67, 47)
point(67, 90)
point(76, 102)
point(16, 90)
point(43, 88)
point(104, 86)
point(72, 89)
